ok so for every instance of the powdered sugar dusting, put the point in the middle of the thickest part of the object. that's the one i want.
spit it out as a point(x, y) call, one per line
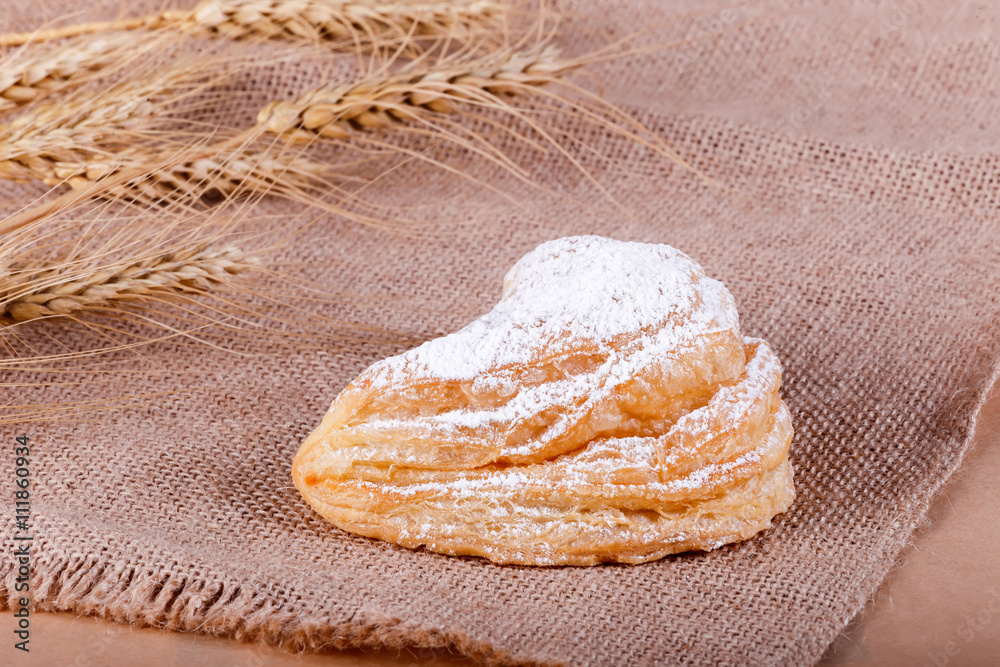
point(584, 288)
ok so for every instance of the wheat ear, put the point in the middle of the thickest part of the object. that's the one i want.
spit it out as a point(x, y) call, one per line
point(79, 144)
point(344, 20)
point(67, 142)
point(76, 131)
point(388, 101)
point(27, 76)
point(223, 171)
point(163, 175)
point(44, 292)
point(351, 22)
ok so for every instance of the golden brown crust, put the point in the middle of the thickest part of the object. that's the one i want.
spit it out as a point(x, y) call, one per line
point(664, 437)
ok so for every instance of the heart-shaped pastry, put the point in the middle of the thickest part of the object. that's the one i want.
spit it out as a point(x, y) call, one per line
point(607, 409)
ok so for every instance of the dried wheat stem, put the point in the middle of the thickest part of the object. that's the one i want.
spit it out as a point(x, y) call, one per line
point(161, 176)
point(29, 76)
point(41, 146)
point(31, 294)
point(346, 20)
point(224, 172)
point(80, 144)
point(112, 151)
point(350, 21)
point(72, 130)
point(378, 103)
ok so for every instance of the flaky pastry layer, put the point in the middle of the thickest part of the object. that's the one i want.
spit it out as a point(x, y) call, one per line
point(612, 442)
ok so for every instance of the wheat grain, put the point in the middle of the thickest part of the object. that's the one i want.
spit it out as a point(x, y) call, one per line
point(76, 131)
point(388, 101)
point(137, 128)
point(224, 172)
point(30, 294)
point(185, 175)
point(351, 23)
point(348, 21)
point(27, 76)
point(144, 140)
point(58, 142)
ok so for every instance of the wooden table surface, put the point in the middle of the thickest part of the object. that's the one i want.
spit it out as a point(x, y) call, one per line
point(939, 606)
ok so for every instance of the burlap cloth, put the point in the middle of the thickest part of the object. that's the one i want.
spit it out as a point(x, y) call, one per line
point(859, 235)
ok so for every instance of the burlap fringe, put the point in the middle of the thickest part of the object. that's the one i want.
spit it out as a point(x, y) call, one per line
point(126, 593)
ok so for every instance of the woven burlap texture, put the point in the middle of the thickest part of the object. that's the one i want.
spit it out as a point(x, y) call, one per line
point(857, 230)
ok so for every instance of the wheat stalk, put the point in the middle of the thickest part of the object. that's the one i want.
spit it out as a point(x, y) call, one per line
point(140, 143)
point(423, 98)
point(348, 21)
point(27, 76)
point(221, 171)
point(384, 102)
point(77, 131)
point(68, 141)
point(30, 294)
point(109, 155)
point(352, 23)
point(136, 130)
point(162, 175)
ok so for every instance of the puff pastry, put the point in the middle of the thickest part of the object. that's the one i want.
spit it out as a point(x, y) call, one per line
point(607, 409)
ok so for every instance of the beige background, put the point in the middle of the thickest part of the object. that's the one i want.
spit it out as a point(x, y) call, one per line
point(940, 605)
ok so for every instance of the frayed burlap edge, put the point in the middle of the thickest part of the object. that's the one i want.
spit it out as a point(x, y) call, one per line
point(133, 594)
point(917, 516)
